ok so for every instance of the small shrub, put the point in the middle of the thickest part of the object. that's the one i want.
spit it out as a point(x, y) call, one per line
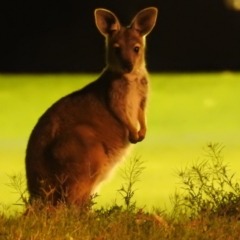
point(18, 184)
point(208, 187)
point(130, 175)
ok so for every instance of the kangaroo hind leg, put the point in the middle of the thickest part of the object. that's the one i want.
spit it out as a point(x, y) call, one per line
point(81, 160)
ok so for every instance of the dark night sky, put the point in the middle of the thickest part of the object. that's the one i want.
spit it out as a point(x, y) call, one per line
point(52, 36)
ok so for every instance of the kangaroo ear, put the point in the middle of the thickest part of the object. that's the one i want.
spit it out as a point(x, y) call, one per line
point(106, 21)
point(145, 20)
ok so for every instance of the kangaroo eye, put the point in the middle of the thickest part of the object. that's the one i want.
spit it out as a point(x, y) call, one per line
point(136, 49)
point(116, 49)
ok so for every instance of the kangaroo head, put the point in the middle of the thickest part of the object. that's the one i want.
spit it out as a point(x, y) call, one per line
point(125, 45)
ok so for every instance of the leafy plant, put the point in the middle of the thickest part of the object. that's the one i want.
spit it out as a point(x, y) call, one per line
point(131, 175)
point(208, 186)
point(18, 183)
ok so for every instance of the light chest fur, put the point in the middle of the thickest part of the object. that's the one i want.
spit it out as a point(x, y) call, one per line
point(129, 93)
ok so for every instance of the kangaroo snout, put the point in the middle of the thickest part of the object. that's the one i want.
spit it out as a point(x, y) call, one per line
point(127, 66)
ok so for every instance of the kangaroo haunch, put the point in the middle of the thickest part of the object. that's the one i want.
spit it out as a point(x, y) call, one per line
point(80, 138)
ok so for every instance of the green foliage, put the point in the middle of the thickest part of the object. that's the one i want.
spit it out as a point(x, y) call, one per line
point(130, 175)
point(208, 186)
point(18, 184)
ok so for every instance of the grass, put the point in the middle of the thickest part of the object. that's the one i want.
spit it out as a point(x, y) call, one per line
point(186, 111)
point(196, 214)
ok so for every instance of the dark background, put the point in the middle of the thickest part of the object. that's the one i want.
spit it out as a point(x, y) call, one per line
point(60, 36)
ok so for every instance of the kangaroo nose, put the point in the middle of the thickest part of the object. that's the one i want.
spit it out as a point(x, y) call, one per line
point(127, 67)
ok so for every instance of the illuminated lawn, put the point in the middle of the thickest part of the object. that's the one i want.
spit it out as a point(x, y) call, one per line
point(186, 111)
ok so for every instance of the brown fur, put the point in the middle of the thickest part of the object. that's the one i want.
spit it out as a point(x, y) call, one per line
point(81, 137)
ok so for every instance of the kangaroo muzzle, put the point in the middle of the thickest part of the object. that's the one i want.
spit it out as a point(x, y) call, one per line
point(127, 66)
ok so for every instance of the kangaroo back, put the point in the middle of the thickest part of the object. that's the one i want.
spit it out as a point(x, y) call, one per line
point(79, 140)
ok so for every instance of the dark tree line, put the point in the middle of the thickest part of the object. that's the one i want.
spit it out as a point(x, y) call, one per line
point(60, 36)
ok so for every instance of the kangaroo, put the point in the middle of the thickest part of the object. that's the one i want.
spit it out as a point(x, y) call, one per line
point(81, 137)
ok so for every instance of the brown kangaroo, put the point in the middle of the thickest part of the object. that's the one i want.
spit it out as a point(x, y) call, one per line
point(80, 138)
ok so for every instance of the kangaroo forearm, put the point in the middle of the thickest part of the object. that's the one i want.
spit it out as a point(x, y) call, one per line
point(122, 114)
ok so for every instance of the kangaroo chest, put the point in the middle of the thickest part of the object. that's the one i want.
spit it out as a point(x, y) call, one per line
point(136, 93)
point(127, 95)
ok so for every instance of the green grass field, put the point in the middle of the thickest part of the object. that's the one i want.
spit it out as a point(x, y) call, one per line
point(186, 111)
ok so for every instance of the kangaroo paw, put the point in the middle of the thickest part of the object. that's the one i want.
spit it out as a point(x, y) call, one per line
point(133, 137)
point(141, 134)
